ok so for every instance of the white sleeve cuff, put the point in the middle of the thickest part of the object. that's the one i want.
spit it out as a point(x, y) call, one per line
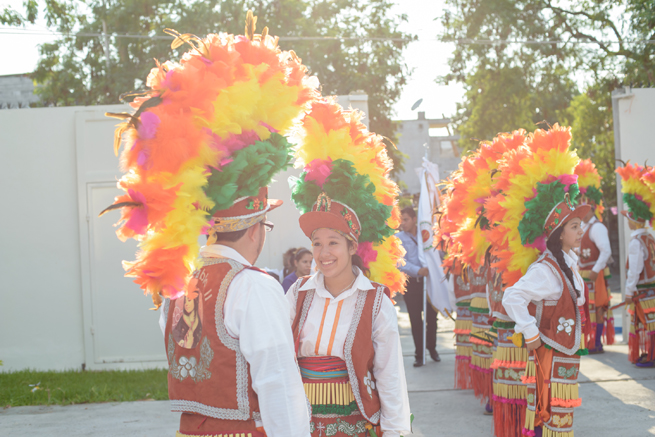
point(531, 334)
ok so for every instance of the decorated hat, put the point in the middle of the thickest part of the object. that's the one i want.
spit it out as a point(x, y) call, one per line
point(589, 184)
point(244, 213)
point(202, 146)
point(536, 190)
point(638, 196)
point(330, 214)
point(562, 213)
point(345, 186)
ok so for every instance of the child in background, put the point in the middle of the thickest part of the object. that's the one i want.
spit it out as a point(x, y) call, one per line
point(301, 261)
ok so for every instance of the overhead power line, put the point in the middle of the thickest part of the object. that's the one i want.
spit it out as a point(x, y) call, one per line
point(464, 41)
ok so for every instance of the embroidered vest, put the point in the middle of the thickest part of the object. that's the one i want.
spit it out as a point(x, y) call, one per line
point(647, 275)
point(207, 374)
point(559, 321)
point(589, 253)
point(359, 340)
point(462, 288)
point(469, 283)
point(478, 280)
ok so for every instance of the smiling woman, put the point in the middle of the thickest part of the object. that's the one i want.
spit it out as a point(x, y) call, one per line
point(343, 319)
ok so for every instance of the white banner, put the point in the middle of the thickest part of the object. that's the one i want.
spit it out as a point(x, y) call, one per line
point(438, 293)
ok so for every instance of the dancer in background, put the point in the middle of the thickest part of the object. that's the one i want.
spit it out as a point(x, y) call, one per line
point(447, 226)
point(344, 322)
point(638, 188)
point(594, 254)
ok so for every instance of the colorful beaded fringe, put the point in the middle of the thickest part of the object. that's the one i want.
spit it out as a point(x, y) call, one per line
point(463, 346)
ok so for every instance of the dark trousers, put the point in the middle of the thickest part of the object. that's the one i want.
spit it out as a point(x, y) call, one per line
point(414, 302)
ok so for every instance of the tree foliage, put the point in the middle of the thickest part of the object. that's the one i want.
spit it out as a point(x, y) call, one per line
point(524, 61)
point(356, 45)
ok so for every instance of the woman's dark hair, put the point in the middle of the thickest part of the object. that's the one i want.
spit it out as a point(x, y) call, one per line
point(358, 262)
point(554, 244)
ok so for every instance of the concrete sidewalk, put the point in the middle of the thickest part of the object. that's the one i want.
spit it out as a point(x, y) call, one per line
point(618, 399)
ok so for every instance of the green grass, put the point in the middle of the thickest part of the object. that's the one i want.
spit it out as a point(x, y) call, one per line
point(75, 387)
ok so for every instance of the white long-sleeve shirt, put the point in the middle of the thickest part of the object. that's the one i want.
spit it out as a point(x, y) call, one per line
point(636, 255)
point(539, 283)
point(600, 237)
point(334, 316)
point(255, 313)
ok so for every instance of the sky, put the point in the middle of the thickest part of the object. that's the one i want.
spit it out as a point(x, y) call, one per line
point(427, 57)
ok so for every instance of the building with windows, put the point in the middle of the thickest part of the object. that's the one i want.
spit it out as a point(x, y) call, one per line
point(416, 141)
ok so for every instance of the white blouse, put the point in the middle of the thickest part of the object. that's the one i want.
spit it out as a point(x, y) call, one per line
point(324, 334)
point(637, 253)
point(539, 283)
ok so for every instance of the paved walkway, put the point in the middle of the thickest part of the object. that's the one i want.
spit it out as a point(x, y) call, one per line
point(618, 399)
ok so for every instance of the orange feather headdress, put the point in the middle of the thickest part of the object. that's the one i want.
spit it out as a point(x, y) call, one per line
point(589, 183)
point(532, 180)
point(209, 131)
point(343, 162)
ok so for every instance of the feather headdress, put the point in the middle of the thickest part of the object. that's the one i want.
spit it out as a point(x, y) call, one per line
point(531, 182)
point(638, 196)
point(464, 223)
point(589, 184)
point(342, 159)
point(478, 170)
point(209, 131)
point(447, 225)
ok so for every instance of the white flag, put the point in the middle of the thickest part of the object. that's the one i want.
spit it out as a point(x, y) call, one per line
point(440, 297)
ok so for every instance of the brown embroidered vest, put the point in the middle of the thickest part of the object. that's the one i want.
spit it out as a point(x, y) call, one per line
point(589, 253)
point(207, 374)
point(559, 320)
point(647, 275)
point(359, 339)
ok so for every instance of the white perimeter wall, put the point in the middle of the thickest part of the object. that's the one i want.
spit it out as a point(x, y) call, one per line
point(64, 300)
point(634, 116)
point(41, 312)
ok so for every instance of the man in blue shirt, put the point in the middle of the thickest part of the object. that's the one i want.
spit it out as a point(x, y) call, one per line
point(414, 294)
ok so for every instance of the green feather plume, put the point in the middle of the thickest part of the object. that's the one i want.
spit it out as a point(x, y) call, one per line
point(347, 186)
point(251, 168)
point(637, 208)
point(538, 208)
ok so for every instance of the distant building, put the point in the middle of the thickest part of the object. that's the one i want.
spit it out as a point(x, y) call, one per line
point(17, 91)
point(416, 142)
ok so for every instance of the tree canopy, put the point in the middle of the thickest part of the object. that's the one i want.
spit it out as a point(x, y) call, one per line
point(108, 46)
point(525, 61)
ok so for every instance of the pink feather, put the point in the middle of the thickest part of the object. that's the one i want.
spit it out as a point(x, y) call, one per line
point(367, 253)
point(318, 171)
